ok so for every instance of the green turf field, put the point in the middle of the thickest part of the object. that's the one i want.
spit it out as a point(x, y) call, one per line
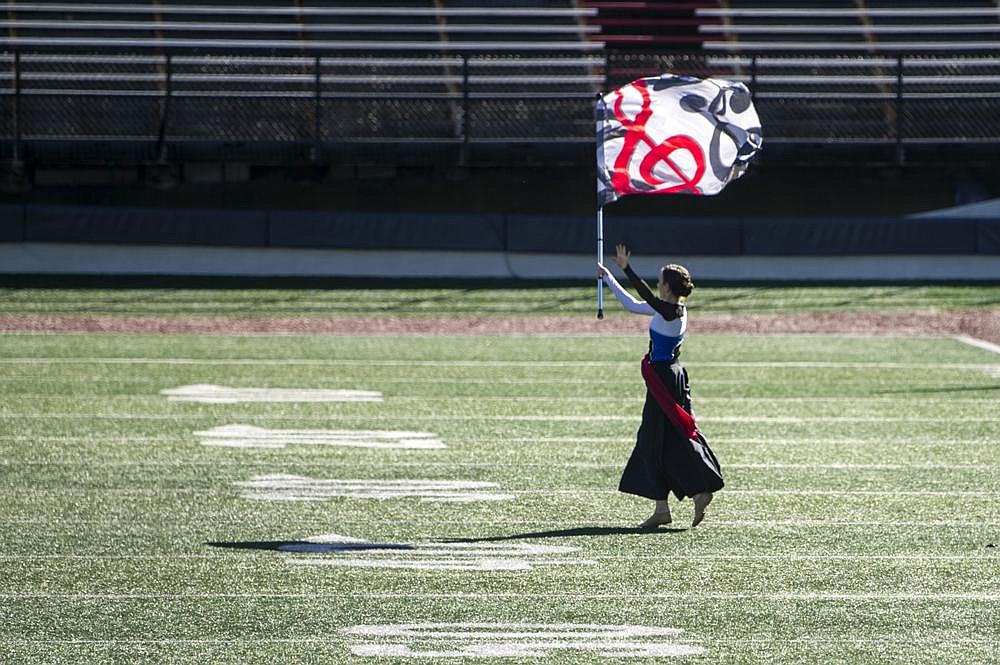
point(471, 514)
point(472, 297)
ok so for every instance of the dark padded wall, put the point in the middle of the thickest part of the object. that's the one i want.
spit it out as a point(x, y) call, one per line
point(495, 232)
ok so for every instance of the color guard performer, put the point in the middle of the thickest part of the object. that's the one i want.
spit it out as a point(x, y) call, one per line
point(670, 454)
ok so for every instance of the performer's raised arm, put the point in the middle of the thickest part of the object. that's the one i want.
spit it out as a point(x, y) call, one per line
point(668, 310)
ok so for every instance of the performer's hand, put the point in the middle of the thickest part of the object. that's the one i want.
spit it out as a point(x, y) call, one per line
point(622, 255)
point(601, 271)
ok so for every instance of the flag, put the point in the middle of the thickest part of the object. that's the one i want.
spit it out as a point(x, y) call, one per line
point(674, 134)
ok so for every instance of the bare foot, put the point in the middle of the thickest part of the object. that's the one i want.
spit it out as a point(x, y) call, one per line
point(701, 502)
point(656, 519)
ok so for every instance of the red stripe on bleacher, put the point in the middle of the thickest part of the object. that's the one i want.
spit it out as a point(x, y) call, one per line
point(651, 6)
point(652, 22)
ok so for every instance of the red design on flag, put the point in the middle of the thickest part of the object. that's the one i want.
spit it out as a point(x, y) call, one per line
point(674, 135)
point(635, 133)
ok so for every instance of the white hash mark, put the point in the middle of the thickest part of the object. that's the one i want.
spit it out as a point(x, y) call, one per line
point(516, 640)
point(282, 487)
point(248, 436)
point(212, 394)
point(354, 553)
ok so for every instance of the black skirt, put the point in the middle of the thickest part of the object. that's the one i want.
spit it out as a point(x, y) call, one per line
point(664, 460)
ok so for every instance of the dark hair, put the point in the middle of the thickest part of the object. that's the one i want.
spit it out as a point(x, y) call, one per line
point(678, 279)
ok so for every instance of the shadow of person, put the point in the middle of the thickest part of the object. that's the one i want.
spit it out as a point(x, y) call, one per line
point(583, 531)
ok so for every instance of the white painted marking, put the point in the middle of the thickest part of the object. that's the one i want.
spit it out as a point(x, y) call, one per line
point(212, 394)
point(515, 640)
point(978, 343)
point(852, 467)
point(333, 538)
point(299, 488)
point(444, 563)
point(629, 596)
point(833, 466)
point(309, 489)
point(248, 436)
point(353, 553)
point(754, 641)
point(548, 418)
point(970, 557)
point(309, 362)
point(965, 442)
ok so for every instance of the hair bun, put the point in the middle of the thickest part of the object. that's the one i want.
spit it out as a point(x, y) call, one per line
point(678, 279)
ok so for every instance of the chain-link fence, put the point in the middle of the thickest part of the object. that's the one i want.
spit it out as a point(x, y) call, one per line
point(141, 107)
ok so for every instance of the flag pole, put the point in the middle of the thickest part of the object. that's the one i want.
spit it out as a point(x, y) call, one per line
point(600, 259)
point(599, 120)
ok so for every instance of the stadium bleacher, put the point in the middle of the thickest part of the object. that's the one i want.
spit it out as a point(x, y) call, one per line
point(874, 26)
point(871, 72)
point(257, 26)
point(279, 82)
point(286, 77)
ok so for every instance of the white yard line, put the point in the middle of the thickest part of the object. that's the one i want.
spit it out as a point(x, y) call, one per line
point(184, 439)
point(635, 398)
point(978, 556)
point(879, 640)
point(678, 595)
point(214, 394)
point(627, 401)
point(512, 418)
point(628, 397)
point(978, 343)
point(757, 491)
point(248, 436)
point(930, 367)
point(544, 526)
point(833, 466)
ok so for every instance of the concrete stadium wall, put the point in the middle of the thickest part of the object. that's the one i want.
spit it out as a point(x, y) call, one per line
point(41, 239)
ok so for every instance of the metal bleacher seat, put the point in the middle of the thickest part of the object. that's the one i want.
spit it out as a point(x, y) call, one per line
point(258, 26)
point(236, 72)
point(878, 72)
point(875, 26)
point(172, 80)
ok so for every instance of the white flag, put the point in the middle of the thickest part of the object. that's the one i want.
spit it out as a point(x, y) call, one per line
point(674, 135)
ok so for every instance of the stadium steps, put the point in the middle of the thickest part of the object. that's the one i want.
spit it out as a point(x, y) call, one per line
point(649, 25)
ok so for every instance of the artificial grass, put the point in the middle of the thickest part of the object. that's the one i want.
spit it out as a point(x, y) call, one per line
point(859, 523)
point(404, 298)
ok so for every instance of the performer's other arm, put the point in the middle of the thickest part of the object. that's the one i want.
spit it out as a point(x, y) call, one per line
point(624, 297)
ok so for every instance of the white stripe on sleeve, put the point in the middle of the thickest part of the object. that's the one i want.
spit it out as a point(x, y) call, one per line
point(626, 299)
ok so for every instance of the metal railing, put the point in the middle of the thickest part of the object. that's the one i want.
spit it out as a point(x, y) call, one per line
point(176, 106)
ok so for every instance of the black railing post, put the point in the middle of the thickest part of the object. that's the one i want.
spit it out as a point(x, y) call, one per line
point(466, 121)
point(161, 139)
point(753, 78)
point(17, 109)
point(317, 149)
point(900, 125)
point(159, 174)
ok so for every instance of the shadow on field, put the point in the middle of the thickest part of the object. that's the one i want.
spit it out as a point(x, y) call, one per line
point(570, 533)
point(309, 547)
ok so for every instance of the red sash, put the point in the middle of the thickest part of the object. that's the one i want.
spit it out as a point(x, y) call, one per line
point(674, 412)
